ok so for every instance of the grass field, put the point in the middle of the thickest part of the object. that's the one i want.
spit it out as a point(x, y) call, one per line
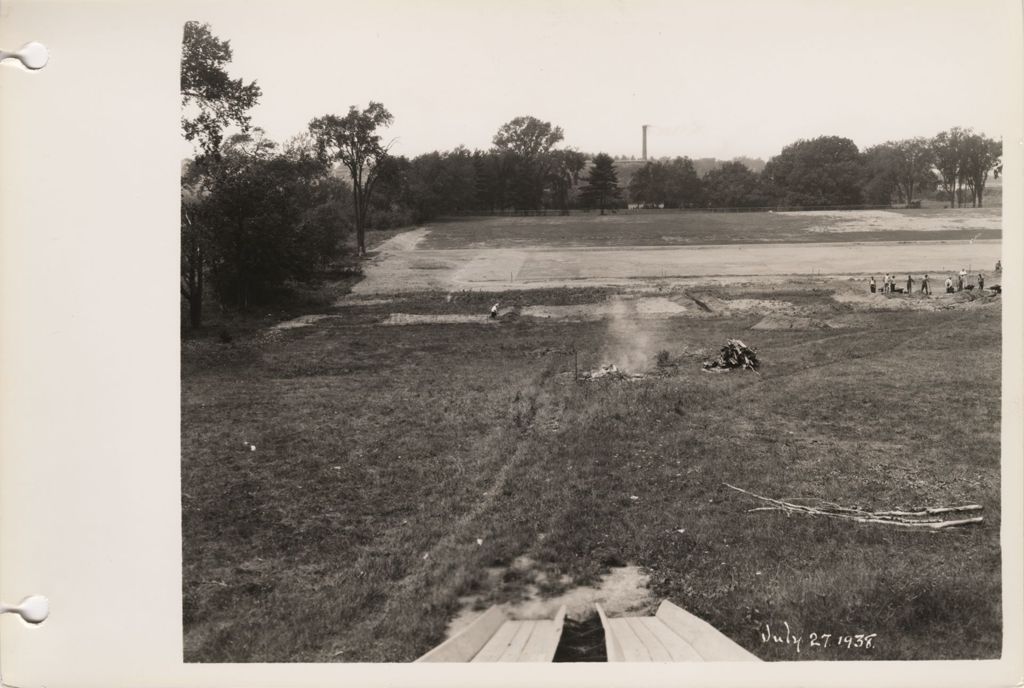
point(674, 228)
point(384, 454)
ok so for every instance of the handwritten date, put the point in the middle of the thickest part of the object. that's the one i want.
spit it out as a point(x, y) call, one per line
point(786, 635)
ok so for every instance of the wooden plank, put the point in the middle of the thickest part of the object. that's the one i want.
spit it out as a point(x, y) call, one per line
point(633, 649)
point(711, 644)
point(543, 643)
point(515, 647)
point(678, 649)
point(499, 642)
point(611, 645)
point(655, 650)
point(464, 645)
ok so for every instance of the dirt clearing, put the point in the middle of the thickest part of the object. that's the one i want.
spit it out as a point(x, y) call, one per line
point(901, 221)
point(401, 265)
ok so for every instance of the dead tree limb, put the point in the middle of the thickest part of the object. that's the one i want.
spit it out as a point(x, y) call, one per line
point(908, 519)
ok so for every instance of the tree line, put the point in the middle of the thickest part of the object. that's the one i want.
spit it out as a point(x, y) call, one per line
point(256, 214)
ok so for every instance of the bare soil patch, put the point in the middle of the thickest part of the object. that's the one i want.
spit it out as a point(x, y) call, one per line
point(622, 590)
point(981, 220)
point(438, 319)
point(403, 264)
point(301, 321)
point(658, 307)
point(788, 322)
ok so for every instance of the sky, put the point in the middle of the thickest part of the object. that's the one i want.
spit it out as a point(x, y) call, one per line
point(714, 79)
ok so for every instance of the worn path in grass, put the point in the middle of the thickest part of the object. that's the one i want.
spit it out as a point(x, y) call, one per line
point(397, 466)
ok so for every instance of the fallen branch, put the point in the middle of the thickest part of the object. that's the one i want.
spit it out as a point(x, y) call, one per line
point(907, 519)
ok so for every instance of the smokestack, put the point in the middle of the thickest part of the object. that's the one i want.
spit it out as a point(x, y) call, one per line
point(645, 141)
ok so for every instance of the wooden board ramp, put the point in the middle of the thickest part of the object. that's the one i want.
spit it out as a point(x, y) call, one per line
point(493, 637)
point(671, 635)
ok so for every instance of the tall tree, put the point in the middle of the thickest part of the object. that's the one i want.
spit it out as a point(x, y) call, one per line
point(881, 174)
point(211, 101)
point(602, 187)
point(194, 243)
point(822, 171)
point(528, 137)
point(647, 187)
point(733, 185)
point(948, 158)
point(353, 140)
point(668, 183)
point(979, 156)
point(266, 213)
point(563, 174)
point(525, 145)
point(913, 165)
point(683, 188)
point(439, 183)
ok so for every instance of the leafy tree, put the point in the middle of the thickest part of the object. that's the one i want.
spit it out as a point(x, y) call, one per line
point(683, 188)
point(266, 216)
point(391, 196)
point(822, 171)
point(563, 174)
point(881, 174)
point(947, 156)
point(211, 101)
point(194, 244)
point(602, 184)
point(979, 156)
point(733, 185)
point(895, 170)
point(488, 187)
point(524, 146)
point(913, 159)
point(353, 140)
point(527, 137)
point(670, 183)
point(647, 187)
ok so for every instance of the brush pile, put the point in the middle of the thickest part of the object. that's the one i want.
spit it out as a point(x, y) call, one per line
point(930, 518)
point(735, 354)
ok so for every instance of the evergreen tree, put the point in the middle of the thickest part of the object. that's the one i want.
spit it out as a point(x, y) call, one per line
point(602, 187)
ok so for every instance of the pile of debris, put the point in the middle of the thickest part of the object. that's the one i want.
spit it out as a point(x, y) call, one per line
point(735, 354)
point(609, 372)
point(932, 518)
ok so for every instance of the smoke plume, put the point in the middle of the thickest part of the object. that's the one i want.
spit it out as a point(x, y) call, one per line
point(628, 344)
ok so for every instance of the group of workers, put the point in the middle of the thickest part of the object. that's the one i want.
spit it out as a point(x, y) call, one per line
point(889, 283)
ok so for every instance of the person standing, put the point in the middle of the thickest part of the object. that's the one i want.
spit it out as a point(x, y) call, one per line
point(961, 278)
point(910, 283)
point(981, 282)
point(924, 285)
point(871, 284)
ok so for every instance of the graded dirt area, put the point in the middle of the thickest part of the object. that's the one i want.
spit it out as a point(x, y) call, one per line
point(403, 265)
point(893, 221)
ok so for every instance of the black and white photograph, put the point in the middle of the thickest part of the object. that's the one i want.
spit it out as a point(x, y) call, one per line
point(565, 332)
